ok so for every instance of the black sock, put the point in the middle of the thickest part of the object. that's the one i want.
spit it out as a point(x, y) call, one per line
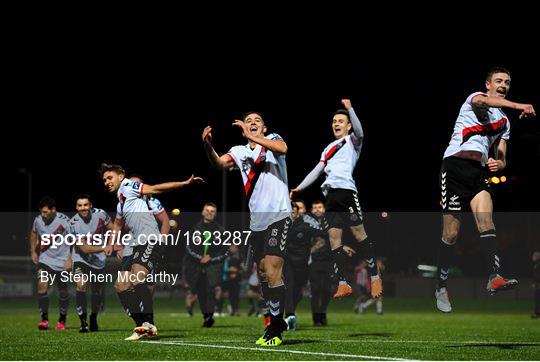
point(63, 302)
point(275, 300)
point(340, 263)
point(129, 303)
point(43, 302)
point(367, 247)
point(97, 302)
point(144, 300)
point(208, 315)
point(488, 240)
point(80, 299)
point(265, 293)
point(445, 257)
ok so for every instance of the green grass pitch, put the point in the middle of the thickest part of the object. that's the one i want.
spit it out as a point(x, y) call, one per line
point(409, 329)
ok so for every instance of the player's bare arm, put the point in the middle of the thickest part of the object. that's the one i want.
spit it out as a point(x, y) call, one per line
point(170, 186)
point(223, 162)
point(163, 218)
point(499, 162)
point(33, 246)
point(484, 101)
point(355, 121)
point(277, 146)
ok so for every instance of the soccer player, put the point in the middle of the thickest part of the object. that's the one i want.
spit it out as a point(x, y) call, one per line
point(204, 261)
point(320, 269)
point(338, 161)
point(480, 125)
point(145, 240)
point(126, 252)
point(50, 259)
point(262, 163)
point(303, 229)
point(89, 258)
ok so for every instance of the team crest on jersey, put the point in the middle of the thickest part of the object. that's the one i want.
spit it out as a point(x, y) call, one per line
point(272, 242)
point(300, 235)
point(354, 217)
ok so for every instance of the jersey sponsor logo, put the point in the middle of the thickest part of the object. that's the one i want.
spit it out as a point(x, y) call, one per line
point(490, 129)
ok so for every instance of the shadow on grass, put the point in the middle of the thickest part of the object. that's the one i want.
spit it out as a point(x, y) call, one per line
point(386, 335)
point(299, 341)
point(504, 346)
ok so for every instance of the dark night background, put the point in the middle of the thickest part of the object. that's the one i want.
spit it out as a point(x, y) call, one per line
point(137, 86)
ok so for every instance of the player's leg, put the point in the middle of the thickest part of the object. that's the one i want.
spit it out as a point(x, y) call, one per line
point(97, 303)
point(80, 296)
point(214, 274)
point(124, 288)
point(340, 262)
point(482, 208)
point(63, 304)
point(367, 250)
point(315, 283)
point(43, 296)
point(289, 276)
point(450, 232)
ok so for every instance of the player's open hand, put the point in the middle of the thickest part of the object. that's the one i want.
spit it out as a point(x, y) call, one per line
point(35, 258)
point(194, 180)
point(207, 135)
point(494, 165)
point(243, 127)
point(346, 103)
point(527, 111)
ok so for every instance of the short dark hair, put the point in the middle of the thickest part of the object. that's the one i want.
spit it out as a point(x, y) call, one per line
point(245, 115)
point(316, 202)
point(343, 112)
point(294, 205)
point(209, 203)
point(300, 200)
point(114, 168)
point(47, 201)
point(496, 69)
point(83, 196)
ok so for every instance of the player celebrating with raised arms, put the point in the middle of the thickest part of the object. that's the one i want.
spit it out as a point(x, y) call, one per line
point(264, 173)
point(338, 161)
point(142, 224)
point(481, 125)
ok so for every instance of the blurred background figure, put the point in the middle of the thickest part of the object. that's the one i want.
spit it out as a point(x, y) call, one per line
point(536, 284)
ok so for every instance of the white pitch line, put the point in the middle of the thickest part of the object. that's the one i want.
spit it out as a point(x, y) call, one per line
point(279, 351)
point(370, 341)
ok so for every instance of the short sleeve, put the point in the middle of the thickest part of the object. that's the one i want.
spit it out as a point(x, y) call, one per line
point(273, 136)
point(156, 206)
point(236, 155)
point(472, 96)
point(118, 211)
point(506, 134)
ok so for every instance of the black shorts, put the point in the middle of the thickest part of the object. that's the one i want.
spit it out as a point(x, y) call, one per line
point(148, 255)
point(194, 271)
point(45, 271)
point(460, 181)
point(343, 209)
point(271, 241)
point(85, 269)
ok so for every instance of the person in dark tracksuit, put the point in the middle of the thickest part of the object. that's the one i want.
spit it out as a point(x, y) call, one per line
point(234, 266)
point(302, 230)
point(321, 269)
point(204, 261)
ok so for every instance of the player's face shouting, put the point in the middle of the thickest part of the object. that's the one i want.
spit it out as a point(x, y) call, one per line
point(112, 181)
point(498, 85)
point(255, 124)
point(83, 207)
point(340, 125)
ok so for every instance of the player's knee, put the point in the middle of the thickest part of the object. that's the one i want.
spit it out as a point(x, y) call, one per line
point(42, 288)
point(120, 287)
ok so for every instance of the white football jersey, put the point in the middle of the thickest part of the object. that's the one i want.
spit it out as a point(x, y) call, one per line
point(340, 158)
point(265, 182)
point(478, 129)
point(153, 204)
point(97, 224)
point(53, 257)
point(137, 216)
